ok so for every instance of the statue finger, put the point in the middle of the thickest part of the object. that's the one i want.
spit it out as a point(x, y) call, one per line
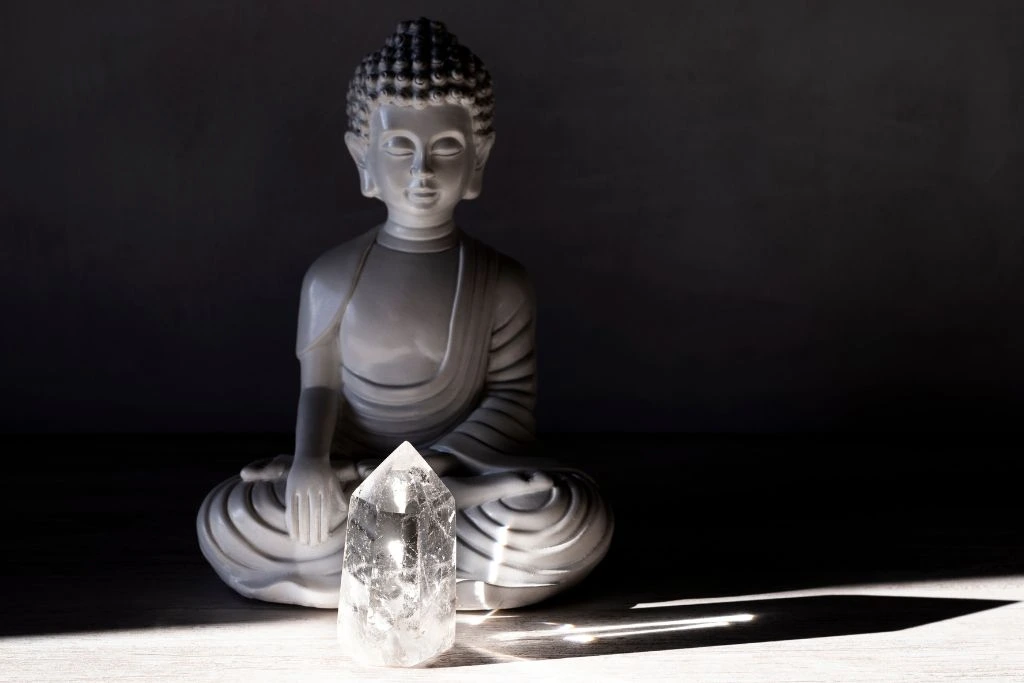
point(366, 467)
point(325, 517)
point(316, 504)
point(267, 469)
point(337, 510)
point(345, 470)
point(291, 516)
point(300, 518)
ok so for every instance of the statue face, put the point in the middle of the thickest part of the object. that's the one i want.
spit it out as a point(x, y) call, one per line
point(421, 162)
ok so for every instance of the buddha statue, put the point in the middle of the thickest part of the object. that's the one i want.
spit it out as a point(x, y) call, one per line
point(413, 331)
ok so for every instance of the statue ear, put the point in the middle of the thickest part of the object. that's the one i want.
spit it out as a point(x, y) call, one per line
point(357, 147)
point(483, 151)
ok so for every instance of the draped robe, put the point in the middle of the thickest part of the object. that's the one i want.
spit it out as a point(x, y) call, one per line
point(477, 405)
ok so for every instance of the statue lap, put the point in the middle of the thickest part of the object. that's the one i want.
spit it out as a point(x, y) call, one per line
point(478, 407)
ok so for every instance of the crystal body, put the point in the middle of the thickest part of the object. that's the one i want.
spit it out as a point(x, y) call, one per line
point(397, 603)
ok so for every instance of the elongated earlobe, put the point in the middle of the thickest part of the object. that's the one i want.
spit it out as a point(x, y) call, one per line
point(357, 147)
point(476, 180)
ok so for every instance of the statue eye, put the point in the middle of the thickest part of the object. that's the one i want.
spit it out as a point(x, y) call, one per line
point(399, 146)
point(446, 147)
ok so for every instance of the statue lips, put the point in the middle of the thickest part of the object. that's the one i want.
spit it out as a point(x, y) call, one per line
point(422, 196)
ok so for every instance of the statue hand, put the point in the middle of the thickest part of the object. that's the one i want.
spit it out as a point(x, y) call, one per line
point(277, 469)
point(313, 501)
point(483, 488)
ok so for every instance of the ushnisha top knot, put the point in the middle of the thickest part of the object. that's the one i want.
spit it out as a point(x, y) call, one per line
point(421, 64)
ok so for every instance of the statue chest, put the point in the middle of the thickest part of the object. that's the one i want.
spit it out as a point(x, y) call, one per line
point(395, 329)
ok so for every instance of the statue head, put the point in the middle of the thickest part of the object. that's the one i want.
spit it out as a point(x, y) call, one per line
point(419, 120)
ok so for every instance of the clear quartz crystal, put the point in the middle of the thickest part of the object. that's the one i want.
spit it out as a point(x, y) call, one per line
point(397, 605)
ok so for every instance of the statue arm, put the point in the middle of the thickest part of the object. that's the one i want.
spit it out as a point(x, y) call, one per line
point(326, 289)
point(314, 505)
point(318, 402)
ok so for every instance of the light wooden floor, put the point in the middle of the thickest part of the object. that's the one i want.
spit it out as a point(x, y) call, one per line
point(987, 645)
point(739, 562)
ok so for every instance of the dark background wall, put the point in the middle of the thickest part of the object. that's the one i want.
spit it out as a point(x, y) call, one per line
point(740, 216)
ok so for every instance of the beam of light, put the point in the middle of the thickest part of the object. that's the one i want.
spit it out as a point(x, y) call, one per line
point(994, 588)
point(689, 602)
point(500, 656)
point(567, 631)
point(400, 495)
point(480, 591)
point(497, 553)
point(477, 619)
point(588, 638)
point(397, 551)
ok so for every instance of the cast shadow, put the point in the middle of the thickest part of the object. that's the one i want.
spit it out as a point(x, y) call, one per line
point(537, 635)
point(115, 545)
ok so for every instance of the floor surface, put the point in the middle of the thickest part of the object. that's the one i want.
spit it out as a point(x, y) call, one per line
point(734, 559)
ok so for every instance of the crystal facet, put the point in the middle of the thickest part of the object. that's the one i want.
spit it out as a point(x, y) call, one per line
point(397, 604)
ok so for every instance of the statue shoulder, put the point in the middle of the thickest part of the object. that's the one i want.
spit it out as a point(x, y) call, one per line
point(515, 293)
point(326, 287)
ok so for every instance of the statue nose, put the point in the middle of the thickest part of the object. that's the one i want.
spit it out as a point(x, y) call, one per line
point(422, 172)
point(420, 168)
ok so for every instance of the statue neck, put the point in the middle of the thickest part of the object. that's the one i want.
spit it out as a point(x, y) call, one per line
point(401, 236)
